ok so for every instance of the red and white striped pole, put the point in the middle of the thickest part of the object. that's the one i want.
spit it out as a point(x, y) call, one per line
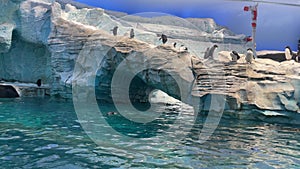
point(253, 10)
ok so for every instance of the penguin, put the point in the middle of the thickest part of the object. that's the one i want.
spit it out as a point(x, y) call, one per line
point(249, 56)
point(183, 48)
point(297, 57)
point(39, 82)
point(210, 53)
point(111, 113)
point(288, 53)
point(164, 38)
point(174, 44)
point(206, 53)
point(131, 34)
point(115, 30)
point(235, 56)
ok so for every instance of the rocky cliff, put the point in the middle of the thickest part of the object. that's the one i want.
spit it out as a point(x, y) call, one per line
point(265, 89)
point(40, 39)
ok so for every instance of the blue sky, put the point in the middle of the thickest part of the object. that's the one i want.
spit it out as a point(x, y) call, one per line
point(278, 25)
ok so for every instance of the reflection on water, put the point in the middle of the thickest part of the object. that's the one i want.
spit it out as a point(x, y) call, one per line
point(43, 133)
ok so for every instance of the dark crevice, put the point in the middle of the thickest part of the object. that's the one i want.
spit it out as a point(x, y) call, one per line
point(7, 91)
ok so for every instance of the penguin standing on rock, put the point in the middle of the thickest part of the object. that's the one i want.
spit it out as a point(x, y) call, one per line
point(39, 82)
point(164, 38)
point(235, 56)
point(210, 53)
point(249, 56)
point(183, 48)
point(131, 36)
point(115, 30)
point(297, 57)
point(288, 53)
point(174, 44)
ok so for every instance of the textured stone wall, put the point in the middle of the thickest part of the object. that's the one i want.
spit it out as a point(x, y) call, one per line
point(25, 62)
point(39, 39)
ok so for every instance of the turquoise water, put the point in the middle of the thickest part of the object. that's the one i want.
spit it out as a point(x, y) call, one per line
point(45, 133)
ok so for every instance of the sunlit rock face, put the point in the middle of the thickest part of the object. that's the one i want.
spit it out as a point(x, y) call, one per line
point(40, 39)
point(263, 85)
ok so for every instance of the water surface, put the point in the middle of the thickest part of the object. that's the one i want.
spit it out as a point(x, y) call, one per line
point(45, 133)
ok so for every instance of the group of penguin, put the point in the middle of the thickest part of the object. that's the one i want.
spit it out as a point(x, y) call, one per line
point(249, 56)
point(234, 55)
point(164, 39)
point(210, 51)
point(289, 55)
point(115, 32)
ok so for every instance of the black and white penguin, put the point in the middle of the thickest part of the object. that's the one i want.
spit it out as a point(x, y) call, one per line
point(131, 35)
point(111, 113)
point(235, 56)
point(288, 53)
point(164, 38)
point(39, 82)
point(115, 30)
point(297, 57)
point(249, 56)
point(174, 44)
point(210, 52)
point(183, 48)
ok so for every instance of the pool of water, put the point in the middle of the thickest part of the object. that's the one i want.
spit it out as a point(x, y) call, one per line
point(46, 133)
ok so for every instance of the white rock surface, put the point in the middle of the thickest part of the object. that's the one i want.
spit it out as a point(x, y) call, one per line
point(34, 23)
point(39, 39)
point(5, 36)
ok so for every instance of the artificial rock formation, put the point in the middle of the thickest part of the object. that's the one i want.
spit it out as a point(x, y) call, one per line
point(66, 46)
point(263, 85)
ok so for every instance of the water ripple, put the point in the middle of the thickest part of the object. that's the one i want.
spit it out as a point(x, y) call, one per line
point(48, 135)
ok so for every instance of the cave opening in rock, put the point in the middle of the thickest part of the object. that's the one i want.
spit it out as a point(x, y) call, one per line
point(8, 91)
point(140, 87)
point(147, 81)
point(139, 94)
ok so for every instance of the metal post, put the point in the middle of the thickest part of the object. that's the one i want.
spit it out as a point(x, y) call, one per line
point(254, 23)
point(254, 41)
point(253, 10)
